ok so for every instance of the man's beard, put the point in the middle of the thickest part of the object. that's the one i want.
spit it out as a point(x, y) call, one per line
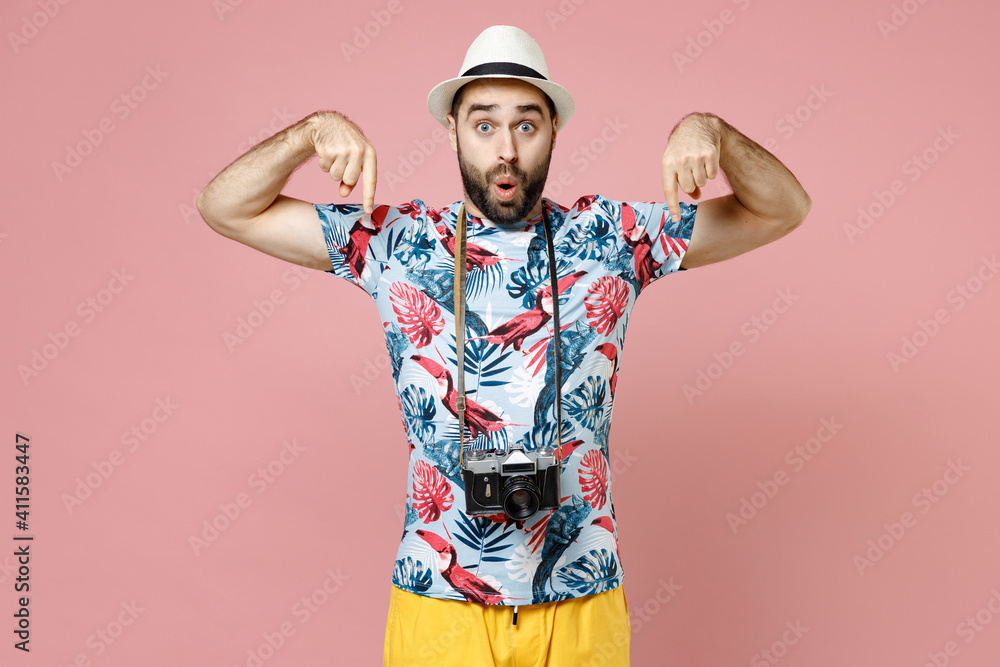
point(479, 188)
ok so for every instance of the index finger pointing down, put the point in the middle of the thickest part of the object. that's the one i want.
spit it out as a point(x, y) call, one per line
point(369, 173)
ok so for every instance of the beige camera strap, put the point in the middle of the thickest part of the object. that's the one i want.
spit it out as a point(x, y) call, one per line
point(460, 233)
point(460, 328)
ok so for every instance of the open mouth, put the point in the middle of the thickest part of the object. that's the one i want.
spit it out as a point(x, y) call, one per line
point(505, 187)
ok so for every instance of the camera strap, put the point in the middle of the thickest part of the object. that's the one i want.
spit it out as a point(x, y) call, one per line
point(460, 252)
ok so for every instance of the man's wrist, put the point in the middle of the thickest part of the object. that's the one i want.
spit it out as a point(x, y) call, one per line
point(707, 123)
point(300, 137)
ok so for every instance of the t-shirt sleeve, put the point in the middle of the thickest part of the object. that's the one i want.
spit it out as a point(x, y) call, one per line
point(355, 242)
point(658, 244)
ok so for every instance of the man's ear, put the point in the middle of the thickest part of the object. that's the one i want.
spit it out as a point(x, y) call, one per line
point(555, 124)
point(452, 133)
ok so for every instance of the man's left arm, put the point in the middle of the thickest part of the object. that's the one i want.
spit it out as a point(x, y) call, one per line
point(767, 201)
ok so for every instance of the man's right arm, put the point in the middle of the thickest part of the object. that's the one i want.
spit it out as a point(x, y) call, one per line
point(244, 201)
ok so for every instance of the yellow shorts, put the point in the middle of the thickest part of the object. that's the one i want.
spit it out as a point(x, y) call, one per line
point(591, 631)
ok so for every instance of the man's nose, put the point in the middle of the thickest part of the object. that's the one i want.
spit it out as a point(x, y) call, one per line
point(507, 150)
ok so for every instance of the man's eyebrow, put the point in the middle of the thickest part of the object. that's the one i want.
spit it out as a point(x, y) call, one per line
point(481, 107)
point(525, 108)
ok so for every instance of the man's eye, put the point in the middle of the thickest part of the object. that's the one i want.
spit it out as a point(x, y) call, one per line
point(483, 127)
point(526, 127)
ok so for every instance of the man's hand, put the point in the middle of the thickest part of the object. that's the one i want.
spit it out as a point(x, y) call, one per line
point(345, 153)
point(767, 201)
point(244, 202)
point(691, 158)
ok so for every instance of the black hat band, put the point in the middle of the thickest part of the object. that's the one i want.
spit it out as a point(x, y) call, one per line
point(510, 69)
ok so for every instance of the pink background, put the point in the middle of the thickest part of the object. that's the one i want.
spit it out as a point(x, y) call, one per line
point(308, 374)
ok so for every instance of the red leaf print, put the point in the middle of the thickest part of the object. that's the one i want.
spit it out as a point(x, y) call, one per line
point(419, 317)
point(538, 531)
point(431, 492)
point(538, 356)
point(409, 209)
point(594, 478)
point(606, 301)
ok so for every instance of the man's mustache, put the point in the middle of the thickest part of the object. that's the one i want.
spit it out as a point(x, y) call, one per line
point(506, 170)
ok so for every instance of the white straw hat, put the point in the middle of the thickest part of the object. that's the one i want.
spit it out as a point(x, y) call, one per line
point(502, 52)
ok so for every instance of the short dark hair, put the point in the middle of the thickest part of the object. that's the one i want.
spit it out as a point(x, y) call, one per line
point(456, 102)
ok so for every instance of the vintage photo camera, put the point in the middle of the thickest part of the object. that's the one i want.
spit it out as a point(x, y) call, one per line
point(516, 482)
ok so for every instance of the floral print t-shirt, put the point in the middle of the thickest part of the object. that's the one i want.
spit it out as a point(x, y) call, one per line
point(606, 252)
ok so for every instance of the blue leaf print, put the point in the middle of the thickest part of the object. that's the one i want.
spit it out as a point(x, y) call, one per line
point(475, 532)
point(419, 409)
point(479, 281)
point(591, 573)
point(414, 247)
point(586, 402)
point(339, 236)
point(545, 433)
point(411, 575)
point(588, 242)
point(478, 362)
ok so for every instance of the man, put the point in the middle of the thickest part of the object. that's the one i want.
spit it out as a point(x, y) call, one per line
point(476, 590)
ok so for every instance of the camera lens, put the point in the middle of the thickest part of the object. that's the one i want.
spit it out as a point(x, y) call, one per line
point(520, 498)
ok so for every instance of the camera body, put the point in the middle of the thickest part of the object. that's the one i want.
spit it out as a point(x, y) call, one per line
point(515, 482)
